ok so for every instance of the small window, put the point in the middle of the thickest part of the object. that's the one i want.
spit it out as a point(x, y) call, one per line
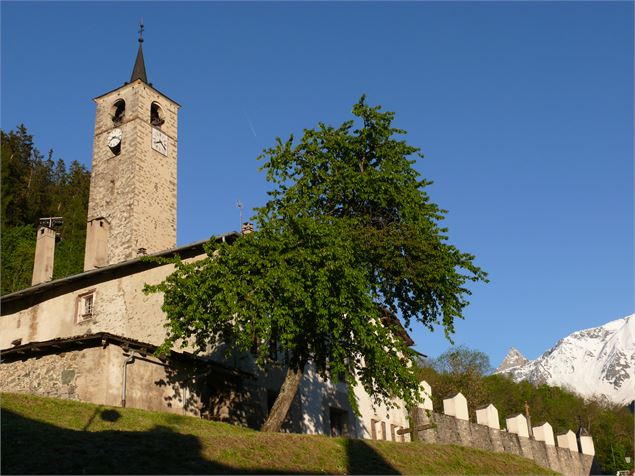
point(156, 115)
point(85, 306)
point(118, 111)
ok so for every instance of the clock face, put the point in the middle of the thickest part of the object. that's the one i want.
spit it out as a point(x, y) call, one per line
point(159, 141)
point(114, 138)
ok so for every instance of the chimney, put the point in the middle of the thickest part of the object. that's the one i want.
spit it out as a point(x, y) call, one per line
point(247, 228)
point(44, 255)
point(96, 251)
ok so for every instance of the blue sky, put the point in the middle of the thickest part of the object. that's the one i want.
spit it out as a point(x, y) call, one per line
point(523, 110)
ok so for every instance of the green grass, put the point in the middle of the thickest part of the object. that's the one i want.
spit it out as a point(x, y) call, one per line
point(49, 436)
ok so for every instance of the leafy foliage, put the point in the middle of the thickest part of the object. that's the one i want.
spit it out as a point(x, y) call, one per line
point(462, 360)
point(18, 250)
point(462, 370)
point(610, 425)
point(348, 238)
point(364, 179)
point(34, 187)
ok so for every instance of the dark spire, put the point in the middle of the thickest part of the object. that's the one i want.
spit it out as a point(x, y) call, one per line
point(139, 70)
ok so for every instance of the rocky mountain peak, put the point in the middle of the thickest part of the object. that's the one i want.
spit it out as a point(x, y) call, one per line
point(514, 358)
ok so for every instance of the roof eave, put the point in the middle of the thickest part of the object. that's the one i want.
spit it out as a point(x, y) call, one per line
point(39, 288)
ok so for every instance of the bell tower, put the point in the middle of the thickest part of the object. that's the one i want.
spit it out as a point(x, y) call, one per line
point(132, 203)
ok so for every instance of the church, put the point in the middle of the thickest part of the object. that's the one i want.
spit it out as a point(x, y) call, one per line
point(91, 337)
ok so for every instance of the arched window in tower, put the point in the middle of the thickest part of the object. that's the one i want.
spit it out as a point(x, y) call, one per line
point(156, 115)
point(118, 111)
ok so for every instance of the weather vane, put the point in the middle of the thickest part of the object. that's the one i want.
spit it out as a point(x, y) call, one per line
point(239, 205)
point(141, 31)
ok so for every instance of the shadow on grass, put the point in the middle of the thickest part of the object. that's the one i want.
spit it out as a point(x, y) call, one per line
point(363, 459)
point(106, 415)
point(32, 447)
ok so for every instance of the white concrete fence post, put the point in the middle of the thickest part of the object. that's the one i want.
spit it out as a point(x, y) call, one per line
point(586, 445)
point(488, 416)
point(456, 407)
point(426, 394)
point(518, 425)
point(544, 433)
point(567, 440)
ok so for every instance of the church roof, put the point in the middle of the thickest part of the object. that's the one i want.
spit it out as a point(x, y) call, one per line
point(139, 70)
point(12, 302)
point(64, 344)
point(147, 85)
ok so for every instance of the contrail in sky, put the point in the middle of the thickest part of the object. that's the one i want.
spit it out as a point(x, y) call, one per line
point(251, 126)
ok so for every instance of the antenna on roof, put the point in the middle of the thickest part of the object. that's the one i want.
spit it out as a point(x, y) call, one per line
point(50, 222)
point(239, 205)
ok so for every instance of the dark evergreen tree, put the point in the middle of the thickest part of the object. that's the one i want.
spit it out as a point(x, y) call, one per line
point(35, 187)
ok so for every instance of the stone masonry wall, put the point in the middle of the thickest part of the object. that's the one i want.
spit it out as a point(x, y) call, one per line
point(135, 190)
point(450, 430)
point(49, 376)
point(95, 375)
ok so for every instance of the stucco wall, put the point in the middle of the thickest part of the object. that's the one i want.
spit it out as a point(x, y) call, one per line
point(120, 307)
point(380, 416)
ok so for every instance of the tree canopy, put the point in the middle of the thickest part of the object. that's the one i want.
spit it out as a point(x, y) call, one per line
point(462, 360)
point(33, 187)
point(458, 369)
point(348, 240)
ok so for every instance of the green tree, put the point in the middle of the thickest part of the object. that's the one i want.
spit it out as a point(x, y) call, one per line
point(348, 237)
point(71, 202)
point(17, 151)
point(458, 369)
point(34, 187)
point(461, 360)
point(18, 253)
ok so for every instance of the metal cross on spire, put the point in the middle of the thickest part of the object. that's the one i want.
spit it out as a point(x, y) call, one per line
point(139, 70)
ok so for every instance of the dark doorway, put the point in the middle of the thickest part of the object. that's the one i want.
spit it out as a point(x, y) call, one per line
point(338, 421)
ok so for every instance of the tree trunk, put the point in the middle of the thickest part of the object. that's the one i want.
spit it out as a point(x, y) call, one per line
point(282, 404)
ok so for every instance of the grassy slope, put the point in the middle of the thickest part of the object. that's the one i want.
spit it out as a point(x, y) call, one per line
point(42, 435)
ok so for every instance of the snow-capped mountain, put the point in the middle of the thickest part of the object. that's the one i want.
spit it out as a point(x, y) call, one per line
point(592, 362)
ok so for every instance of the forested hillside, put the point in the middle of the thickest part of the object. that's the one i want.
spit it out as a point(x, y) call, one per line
point(465, 370)
point(34, 186)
